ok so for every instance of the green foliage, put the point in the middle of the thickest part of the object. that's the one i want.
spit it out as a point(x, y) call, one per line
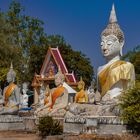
point(29, 32)
point(47, 126)
point(24, 42)
point(130, 104)
point(9, 51)
point(134, 58)
point(75, 61)
point(3, 73)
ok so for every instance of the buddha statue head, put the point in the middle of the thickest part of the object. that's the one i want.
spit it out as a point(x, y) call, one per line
point(11, 75)
point(112, 38)
point(81, 84)
point(59, 77)
point(24, 88)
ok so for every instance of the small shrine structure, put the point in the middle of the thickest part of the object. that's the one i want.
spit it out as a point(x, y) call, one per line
point(53, 61)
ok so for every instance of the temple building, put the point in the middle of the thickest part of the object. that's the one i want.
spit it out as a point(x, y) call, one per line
point(53, 61)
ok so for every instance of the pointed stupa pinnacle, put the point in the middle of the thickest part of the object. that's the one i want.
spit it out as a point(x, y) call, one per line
point(11, 67)
point(113, 17)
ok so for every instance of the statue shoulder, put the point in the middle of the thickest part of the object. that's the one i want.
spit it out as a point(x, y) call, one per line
point(17, 88)
point(100, 68)
point(129, 65)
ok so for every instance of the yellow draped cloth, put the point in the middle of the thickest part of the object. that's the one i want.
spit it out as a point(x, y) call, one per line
point(57, 93)
point(8, 92)
point(119, 70)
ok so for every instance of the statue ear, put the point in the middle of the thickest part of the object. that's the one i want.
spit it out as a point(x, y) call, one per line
point(121, 47)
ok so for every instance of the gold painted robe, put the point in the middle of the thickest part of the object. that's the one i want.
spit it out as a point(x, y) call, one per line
point(119, 70)
point(81, 97)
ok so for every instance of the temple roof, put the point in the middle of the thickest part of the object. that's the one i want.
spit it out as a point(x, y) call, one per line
point(53, 54)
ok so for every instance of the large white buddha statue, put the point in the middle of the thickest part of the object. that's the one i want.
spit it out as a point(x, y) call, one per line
point(116, 75)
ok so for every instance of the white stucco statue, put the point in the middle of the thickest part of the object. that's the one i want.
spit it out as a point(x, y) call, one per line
point(57, 101)
point(25, 97)
point(116, 75)
point(11, 94)
point(42, 96)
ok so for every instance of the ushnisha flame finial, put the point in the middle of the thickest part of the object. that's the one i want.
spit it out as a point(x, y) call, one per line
point(113, 18)
point(11, 74)
point(11, 67)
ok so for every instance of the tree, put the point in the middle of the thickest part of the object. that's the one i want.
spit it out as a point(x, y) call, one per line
point(9, 51)
point(31, 43)
point(130, 99)
point(134, 58)
point(75, 61)
point(130, 104)
point(29, 33)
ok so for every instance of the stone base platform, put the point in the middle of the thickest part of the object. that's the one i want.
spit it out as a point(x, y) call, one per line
point(72, 125)
point(14, 122)
point(94, 125)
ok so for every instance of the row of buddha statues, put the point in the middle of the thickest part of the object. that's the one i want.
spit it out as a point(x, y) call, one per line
point(55, 101)
point(112, 79)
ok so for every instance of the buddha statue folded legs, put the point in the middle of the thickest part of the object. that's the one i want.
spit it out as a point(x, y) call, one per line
point(57, 101)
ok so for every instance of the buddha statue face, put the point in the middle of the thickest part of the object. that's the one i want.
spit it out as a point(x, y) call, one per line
point(59, 79)
point(110, 46)
point(81, 84)
point(112, 38)
point(24, 88)
point(10, 77)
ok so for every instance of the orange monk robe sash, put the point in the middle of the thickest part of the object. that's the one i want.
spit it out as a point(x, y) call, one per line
point(107, 78)
point(8, 92)
point(46, 101)
point(57, 93)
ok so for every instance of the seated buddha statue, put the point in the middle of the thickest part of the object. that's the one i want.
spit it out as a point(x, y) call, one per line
point(11, 94)
point(24, 97)
point(113, 77)
point(116, 75)
point(57, 101)
point(81, 96)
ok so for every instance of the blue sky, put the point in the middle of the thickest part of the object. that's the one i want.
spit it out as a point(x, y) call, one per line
point(81, 22)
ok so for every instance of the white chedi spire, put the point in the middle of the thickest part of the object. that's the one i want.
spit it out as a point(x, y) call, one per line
point(113, 17)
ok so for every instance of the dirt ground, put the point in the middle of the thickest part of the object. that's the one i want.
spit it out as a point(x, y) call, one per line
point(15, 135)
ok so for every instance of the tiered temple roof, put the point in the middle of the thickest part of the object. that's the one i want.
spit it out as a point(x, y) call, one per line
point(53, 61)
